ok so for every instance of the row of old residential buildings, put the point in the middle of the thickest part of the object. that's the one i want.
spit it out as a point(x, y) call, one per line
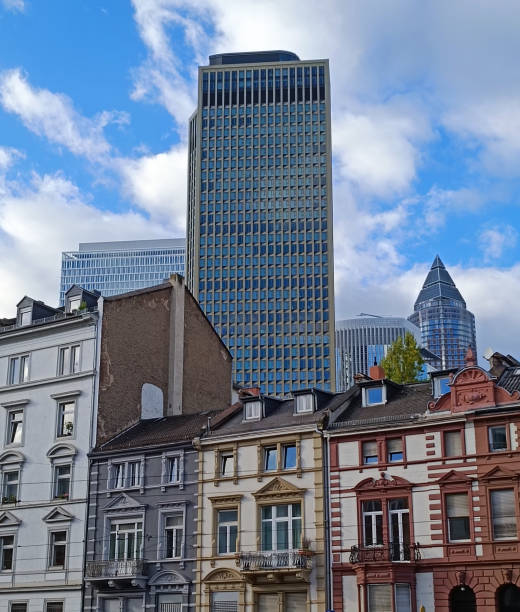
point(134, 476)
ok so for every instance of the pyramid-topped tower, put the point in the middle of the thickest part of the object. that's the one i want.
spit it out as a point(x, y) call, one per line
point(447, 327)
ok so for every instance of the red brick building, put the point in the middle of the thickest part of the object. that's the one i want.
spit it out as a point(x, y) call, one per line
point(425, 495)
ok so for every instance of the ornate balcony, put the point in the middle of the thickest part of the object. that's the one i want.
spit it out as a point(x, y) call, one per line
point(116, 572)
point(274, 563)
point(398, 552)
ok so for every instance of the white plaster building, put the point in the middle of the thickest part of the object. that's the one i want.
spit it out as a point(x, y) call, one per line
point(47, 426)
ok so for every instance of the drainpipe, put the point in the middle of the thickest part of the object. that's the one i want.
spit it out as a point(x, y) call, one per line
point(326, 514)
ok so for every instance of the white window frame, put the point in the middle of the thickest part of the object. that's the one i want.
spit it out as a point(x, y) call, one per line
point(50, 548)
point(59, 411)
point(66, 366)
point(24, 373)
point(24, 311)
point(7, 534)
point(437, 385)
point(54, 601)
point(493, 516)
point(12, 411)
point(25, 602)
point(126, 469)
point(125, 520)
point(226, 457)
point(304, 403)
point(71, 300)
point(166, 458)
point(16, 470)
point(365, 395)
point(227, 525)
point(181, 528)
point(56, 479)
point(284, 456)
point(253, 410)
point(448, 523)
point(274, 520)
point(372, 514)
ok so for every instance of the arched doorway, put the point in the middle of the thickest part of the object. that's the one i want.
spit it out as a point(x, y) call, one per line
point(462, 599)
point(508, 598)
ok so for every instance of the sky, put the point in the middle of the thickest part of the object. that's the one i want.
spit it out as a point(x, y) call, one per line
point(94, 101)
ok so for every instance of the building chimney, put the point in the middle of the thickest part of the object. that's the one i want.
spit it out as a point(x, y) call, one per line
point(248, 392)
point(377, 372)
point(470, 358)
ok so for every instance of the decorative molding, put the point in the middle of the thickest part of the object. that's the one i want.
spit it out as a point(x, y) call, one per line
point(65, 394)
point(13, 403)
point(223, 576)
point(225, 500)
point(278, 487)
point(123, 502)
point(58, 514)
point(61, 450)
point(383, 482)
point(8, 519)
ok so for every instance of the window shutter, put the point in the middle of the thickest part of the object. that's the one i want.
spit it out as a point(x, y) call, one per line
point(402, 598)
point(380, 598)
point(295, 602)
point(224, 602)
point(453, 443)
point(267, 602)
point(395, 445)
point(369, 449)
point(503, 513)
point(457, 505)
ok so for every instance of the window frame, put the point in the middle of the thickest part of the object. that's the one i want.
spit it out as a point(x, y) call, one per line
point(373, 514)
point(68, 369)
point(4, 473)
point(26, 357)
point(60, 403)
point(365, 395)
point(227, 525)
point(10, 412)
point(118, 519)
point(362, 452)
point(166, 458)
point(56, 480)
point(51, 547)
point(279, 446)
point(125, 463)
point(508, 438)
point(257, 415)
point(25, 602)
point(54, 601)
point(403, 449)
point(179, 512)
point(7, 534)
point(220, 453)
point(448, 537)
point(274, 521)
point(461, 431)
point(490, 491)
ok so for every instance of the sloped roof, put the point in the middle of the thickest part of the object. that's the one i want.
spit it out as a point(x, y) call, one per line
point(510, 379)
point(438, 285)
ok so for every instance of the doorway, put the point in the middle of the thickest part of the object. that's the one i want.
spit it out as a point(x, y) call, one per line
point(462, 599)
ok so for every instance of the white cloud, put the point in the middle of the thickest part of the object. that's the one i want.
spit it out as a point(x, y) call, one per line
point(8, 156)
point(41, 219)
point(14, 5)
point(53, 115)
point(157, 184)
point(494, 240)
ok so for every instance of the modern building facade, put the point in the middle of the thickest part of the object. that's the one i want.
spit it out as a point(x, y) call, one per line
point(118, 267)
point(261, 509)
point(260, 250)
point(447, 327)
point(363, 340)
point(48, 361)
point(424, 495)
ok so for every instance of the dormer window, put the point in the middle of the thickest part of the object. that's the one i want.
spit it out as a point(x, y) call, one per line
point(441, 385)
point(25, 316)
point(304, 403)
point(74, 303)
point(373, 396)
point(253, 410)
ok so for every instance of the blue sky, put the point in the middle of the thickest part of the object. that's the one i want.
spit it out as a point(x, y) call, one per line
point(95, 97)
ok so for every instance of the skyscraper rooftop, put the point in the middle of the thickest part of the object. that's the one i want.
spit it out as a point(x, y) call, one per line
point(438, 285)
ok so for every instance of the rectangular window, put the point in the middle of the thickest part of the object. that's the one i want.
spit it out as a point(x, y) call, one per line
point(253, 410)
point(169, 603)
point(134, 473)
point(457, 512)
point(370, 452)
point(62, 481)
point(68, 360)
point(15, 427)
point(54, 606)
point(372, 523)
point(374, 395)
point(6, 552)
point(379, 597)
point(226, 601)
point(10, 487)
point(66, 413)
point(25, 316)
point(126, 540)
point(18, 606)
point(281, 527)
point(403, 602)
point(270, 459)
point(453, 443)
point(497, 438)
point(58, 549)
point(18, 370)
point(503, 514)
point(227, 526)
point(226, 464)
point(174, 469)
point(395, 449)
point(304, 403)
point(289, 456)
point(173, 534)
point(126, 475)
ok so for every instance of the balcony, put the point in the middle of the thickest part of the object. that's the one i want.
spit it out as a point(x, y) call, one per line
point(398, 552)
point(273, 564)
point(123, 572)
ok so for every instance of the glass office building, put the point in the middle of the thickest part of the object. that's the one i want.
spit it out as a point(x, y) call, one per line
point(118, 267)
point(447, 327)
point(260, 256)
point(365, 339)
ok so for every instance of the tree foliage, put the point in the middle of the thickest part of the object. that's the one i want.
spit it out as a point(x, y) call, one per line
point(403, 361)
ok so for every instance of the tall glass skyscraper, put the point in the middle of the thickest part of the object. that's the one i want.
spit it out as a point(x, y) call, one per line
point(118, 267)
point(260, 251)
point(447, 327)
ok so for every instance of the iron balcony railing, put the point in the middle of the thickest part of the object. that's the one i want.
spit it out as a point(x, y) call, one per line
point(124, 568)
point(398, 551)
point(50, 319)
point(291, 559)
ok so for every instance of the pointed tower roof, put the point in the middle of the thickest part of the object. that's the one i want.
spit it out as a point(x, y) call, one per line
point(438, 285)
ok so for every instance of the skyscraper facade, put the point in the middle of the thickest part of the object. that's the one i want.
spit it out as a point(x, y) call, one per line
point(447, 327)
point(260, 251)
point(119, 267)
point(362, 340)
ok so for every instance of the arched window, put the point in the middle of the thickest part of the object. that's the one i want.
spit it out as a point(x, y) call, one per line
point(508, 598)
point(462, 599)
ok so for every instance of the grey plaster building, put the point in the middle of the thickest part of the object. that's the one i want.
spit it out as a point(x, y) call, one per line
point(142, 517)
point(259, 239)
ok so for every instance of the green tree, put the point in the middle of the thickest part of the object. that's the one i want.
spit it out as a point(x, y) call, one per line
point(403, 361)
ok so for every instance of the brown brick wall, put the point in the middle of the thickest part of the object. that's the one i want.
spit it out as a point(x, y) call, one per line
point(134, 350)
point(207, 363)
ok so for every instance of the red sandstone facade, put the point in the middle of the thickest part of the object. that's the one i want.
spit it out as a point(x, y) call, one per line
point(435, 524)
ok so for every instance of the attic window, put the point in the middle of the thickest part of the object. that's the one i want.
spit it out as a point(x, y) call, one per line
point(25, 316)
point(373, 396)
point(516, 372)
point(304, 403)
point(74, 303)
point(441, 385)
point(252, 410)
